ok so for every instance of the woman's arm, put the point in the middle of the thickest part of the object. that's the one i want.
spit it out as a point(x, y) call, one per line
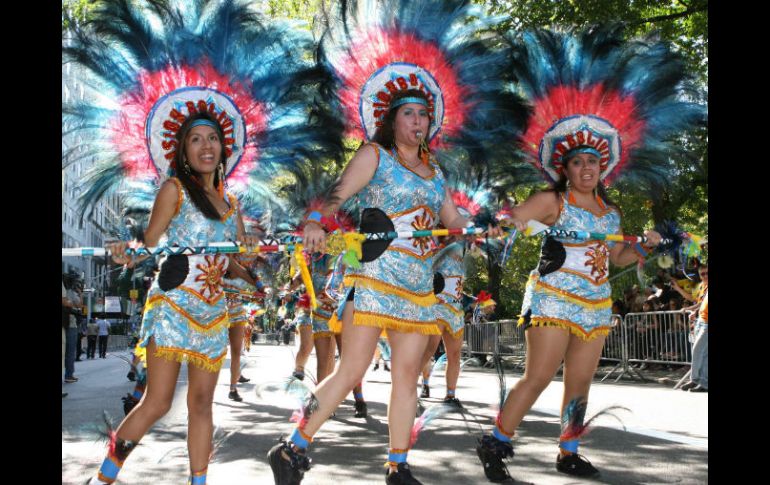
point(623, 254)
point(542, 207)
point(355, 177)
point(163, 210)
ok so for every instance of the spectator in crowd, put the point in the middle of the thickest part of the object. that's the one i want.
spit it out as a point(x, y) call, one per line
point(75, 303)
point(81, 335)
point(65, 323)
point(647, 334)
point(104, 335)
point(699, 317)
point(635, 300)
point(92, 331)
point(679, 348)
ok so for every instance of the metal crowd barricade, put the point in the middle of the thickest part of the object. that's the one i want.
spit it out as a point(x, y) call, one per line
point(639, 338)
point(481, 339)
point(616, 350)
point(658, 338)
point(117, 342)
point(511, 342)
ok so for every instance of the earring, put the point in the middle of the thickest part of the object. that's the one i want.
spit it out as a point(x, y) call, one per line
point(186, 166)
point(222, 179)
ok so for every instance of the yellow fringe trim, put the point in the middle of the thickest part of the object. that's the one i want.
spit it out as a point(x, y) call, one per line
point(141, 352)
point(242, 323)
point(600, 304)
point(335, 325)
point(572, 327)
point(213, 327)
point(448, 329)
point(198, 360)
point(422, 299)
point(369, 319)
point(322, 335)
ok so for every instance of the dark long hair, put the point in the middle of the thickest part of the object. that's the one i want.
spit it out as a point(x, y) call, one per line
point(191, 179)
point(384, 135)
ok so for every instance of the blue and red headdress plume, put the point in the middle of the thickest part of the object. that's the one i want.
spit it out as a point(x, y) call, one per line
point(378, 48)
point(150, 64)
point(624, 101)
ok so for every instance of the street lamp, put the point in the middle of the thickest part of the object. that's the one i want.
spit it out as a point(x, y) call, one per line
point(88, 291)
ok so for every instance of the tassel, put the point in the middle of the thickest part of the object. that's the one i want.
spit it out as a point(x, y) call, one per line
point(301, 264)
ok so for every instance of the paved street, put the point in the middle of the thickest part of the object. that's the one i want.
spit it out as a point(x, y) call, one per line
point(665, 438)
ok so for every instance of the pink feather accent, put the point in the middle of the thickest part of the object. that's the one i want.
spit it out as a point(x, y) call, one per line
point(564, 101)
point(462, 200)
point(113, 437)
point(298, 416)
point(375, 48)
point(129, 137)
point(418, 426)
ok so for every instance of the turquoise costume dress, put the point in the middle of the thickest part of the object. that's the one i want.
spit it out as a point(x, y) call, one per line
point(395, 291)
point(235, 309)
point(575, 294)
point(189, 321)
point(449, 310)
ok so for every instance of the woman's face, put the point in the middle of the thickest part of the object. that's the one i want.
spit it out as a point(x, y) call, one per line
point(583, 170)
point(203, 149)
point(672, 305)
point(411, 118)
point(704, 275)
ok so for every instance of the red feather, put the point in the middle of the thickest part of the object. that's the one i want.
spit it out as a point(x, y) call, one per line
point(376, 48)
point(564, 101)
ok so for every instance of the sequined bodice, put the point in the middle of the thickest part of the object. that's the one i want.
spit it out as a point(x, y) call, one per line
point(396, 189)
point(189, 227)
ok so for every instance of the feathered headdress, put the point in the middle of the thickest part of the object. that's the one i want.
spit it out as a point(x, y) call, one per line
point(592, 91)
point(150, 64)
point(378, 48)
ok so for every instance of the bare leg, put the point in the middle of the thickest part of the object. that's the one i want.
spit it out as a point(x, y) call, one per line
point(579, 367)
point(546, 347)
point(452, 346)
point(430, 349)
point(407, 349)
point(324, 352)
point(359, 342)
point(235, 335)
point(358, 389)
point(156, 401)
point(200, 425)
point(305, 347)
